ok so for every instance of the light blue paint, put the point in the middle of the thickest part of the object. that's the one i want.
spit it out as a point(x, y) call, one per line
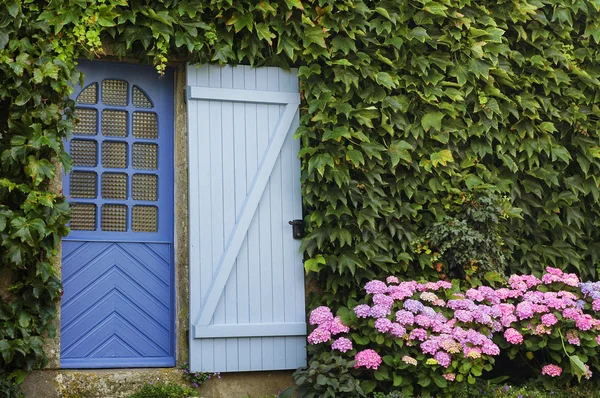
point(246, 275)
point(118, 305)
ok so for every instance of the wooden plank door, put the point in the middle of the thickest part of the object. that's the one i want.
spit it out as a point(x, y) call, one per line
point(246, 277)
point(117, 264)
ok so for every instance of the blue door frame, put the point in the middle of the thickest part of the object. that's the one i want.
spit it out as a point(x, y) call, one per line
point(118, 275)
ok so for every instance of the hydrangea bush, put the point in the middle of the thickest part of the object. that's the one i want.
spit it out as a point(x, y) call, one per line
point(431, 337)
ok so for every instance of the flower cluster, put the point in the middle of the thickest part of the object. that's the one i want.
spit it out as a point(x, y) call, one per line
point(328, 326)
point(444, 325)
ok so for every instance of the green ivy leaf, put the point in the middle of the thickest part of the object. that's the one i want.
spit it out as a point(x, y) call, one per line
point(399, 150)
point(442, 157)
point(356, 157)
point(314, 264)
point(385, 79)
point(432, 120)
point(319, 162)
point(24, 319)
point(294, 4)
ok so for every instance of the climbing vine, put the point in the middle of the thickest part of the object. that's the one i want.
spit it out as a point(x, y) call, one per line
point(409, 106)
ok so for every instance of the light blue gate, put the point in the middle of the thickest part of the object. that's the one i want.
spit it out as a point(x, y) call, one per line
point(117, 262)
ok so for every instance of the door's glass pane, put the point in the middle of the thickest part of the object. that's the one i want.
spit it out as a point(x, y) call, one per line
point(83, 216)
point(114, 123)
point(114, 155)
point(89, 95)
point(84, 153)
point(114, 92)
point(87, 124)
point(145, 156)
point(144, 187)
point(114, 218)
point(140, 99)
point(83, 184)
point(114, 185)
point(145, 125)
point(145, 219)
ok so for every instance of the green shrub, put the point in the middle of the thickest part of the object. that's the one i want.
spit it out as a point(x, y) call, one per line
point(327, 375)
point(164, 390)
point(9, 389)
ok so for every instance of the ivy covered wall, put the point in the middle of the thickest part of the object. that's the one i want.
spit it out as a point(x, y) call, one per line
point(411, 108)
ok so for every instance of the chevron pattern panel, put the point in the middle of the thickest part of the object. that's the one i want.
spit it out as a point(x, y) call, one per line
point(117, 305)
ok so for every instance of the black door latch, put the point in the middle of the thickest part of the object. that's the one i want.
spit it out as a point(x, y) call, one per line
point(297, 228)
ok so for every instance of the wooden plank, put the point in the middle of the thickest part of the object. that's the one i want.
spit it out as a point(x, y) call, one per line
point(276, 227)
point(265, 131)
point(229, 297)
point(252, 237)
point(246, 96)
point(250, 330)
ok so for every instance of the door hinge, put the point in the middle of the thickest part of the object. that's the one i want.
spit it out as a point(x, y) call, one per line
point(297, 228)
point(185, 96)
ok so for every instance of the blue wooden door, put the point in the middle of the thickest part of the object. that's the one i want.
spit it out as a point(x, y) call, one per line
point(246, 274)
point(117, 261)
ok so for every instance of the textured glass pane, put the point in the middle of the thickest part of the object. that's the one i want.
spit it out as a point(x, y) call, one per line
point(145, 125)
point(145, 156)
point(114, 155)
point(144, 219)
point(114, 123)
point(87, 121)
point(114, 218)
point(83, 216)
point(114, 186)
point(144, 187)
point(140, 99)
point(89, 95)
point(114, 92)
point(84, 153)
point(83, 184)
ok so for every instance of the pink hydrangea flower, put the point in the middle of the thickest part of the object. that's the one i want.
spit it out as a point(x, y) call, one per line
point(418, 334)
point(319, 335)
point(524, 310)
point(362, 310)
point(443, 359)
point(397, 330)
point(320, 315)
point(337, 326)
point(552, 370)
point(549, 319)
point(405, 318)
point(588, 372)
point(367, 358)
point(409, 360)
point(573, 337)
point(449, 376)
point(380, 311)
point(392, 279)
point(342, 344)
point(490, 348)
point(584, 322)
point(383, 325)
point(383, 299)
point(513, 336)
point(374, 287)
